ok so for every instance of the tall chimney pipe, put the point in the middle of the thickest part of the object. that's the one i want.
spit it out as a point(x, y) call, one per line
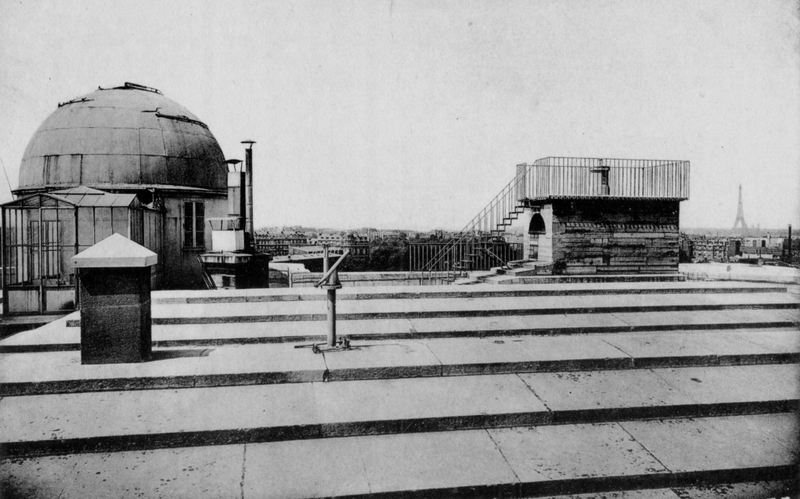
point(248, 162)
point(235, 188)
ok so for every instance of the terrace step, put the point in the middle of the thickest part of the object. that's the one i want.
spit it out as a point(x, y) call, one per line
point(57, 337)
point(190, 367)
point(652, 403)
point(146, 419)
point(176, 314)
point(737, 457)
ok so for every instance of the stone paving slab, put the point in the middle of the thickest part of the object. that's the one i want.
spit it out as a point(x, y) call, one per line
point(776, 489)
point(477, 290)
point(62, 372)
point(304, 469)
point(724, 442)
point(391, 308)
point(62, 337)
point(170, 367)
point(143, 419)
point(749, 490)
point(578, 322)
point(382, 360)
point(54, 333)
point(653, 350)
point(620, 395)
point(729, 384)
point(778, 340)
point(56, 336)
point(463, 459)
point(279, 331)
point(289, 410)
point(149, 412)
point(571, 459)
point(562, 452)
point(281, 311)
point(449, 398)
point(198, 472)
point(498, 323)
point(723, 318)
point(625, 494)
point(585, 390)
point(524, 354)
point(66, 367)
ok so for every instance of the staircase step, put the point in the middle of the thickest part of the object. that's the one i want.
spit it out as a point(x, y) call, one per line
point(284, 363)
point(131, 420)
point(473, 403)
point(56, 338)
point(671, 283)
point(518, 462)
point(454, 307)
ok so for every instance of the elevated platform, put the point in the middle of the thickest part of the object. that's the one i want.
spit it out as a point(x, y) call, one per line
point(675, 390)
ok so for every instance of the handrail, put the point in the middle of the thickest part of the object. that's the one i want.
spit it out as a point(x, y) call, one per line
point(487, 220)
point(491, 253)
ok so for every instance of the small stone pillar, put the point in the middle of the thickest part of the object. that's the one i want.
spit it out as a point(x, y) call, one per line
point(114, 277)
point(525, 219)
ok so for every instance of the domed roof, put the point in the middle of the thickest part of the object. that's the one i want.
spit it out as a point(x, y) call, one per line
point(128, 137)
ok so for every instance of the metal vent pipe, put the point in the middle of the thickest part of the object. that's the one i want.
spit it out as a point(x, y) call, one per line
point(248, 163)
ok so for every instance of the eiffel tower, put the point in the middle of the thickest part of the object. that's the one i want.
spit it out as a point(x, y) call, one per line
point(740, 213)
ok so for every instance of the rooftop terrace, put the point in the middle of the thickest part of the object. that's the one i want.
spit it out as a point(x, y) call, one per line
point(658, 389)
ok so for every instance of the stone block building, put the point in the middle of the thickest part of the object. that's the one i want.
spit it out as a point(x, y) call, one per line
point(595, 216)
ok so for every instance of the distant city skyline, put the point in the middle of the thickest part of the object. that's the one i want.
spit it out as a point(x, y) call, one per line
point(414, 114)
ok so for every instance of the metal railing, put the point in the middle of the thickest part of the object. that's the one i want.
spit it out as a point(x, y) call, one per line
point(456, 255)
point(552, 178)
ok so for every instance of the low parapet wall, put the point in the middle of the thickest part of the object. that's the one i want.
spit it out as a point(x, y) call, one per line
point(740, 272)
point(308, 279)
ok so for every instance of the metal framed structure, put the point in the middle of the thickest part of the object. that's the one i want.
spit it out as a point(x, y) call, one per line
point(609, 178)
point(42, 232)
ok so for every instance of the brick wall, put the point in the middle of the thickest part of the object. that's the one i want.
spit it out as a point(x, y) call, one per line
point(615, 236)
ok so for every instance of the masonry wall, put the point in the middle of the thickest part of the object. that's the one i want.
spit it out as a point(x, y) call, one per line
point(546, 239)
point(182, 270)
point(615, 236)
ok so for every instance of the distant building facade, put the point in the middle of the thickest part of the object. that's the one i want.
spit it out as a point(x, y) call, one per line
point(713, 249)
point(279, 244)
point(357, 244)
point(709, 248)
point(766, 247)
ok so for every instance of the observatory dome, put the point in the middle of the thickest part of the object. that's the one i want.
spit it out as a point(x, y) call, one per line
point(123, 138)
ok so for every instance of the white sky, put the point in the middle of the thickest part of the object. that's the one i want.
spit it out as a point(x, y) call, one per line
point(412, 114)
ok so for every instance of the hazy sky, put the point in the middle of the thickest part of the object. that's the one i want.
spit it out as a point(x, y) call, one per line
point(413, 114)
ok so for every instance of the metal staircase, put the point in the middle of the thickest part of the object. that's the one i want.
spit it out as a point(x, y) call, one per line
point(458, 256)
